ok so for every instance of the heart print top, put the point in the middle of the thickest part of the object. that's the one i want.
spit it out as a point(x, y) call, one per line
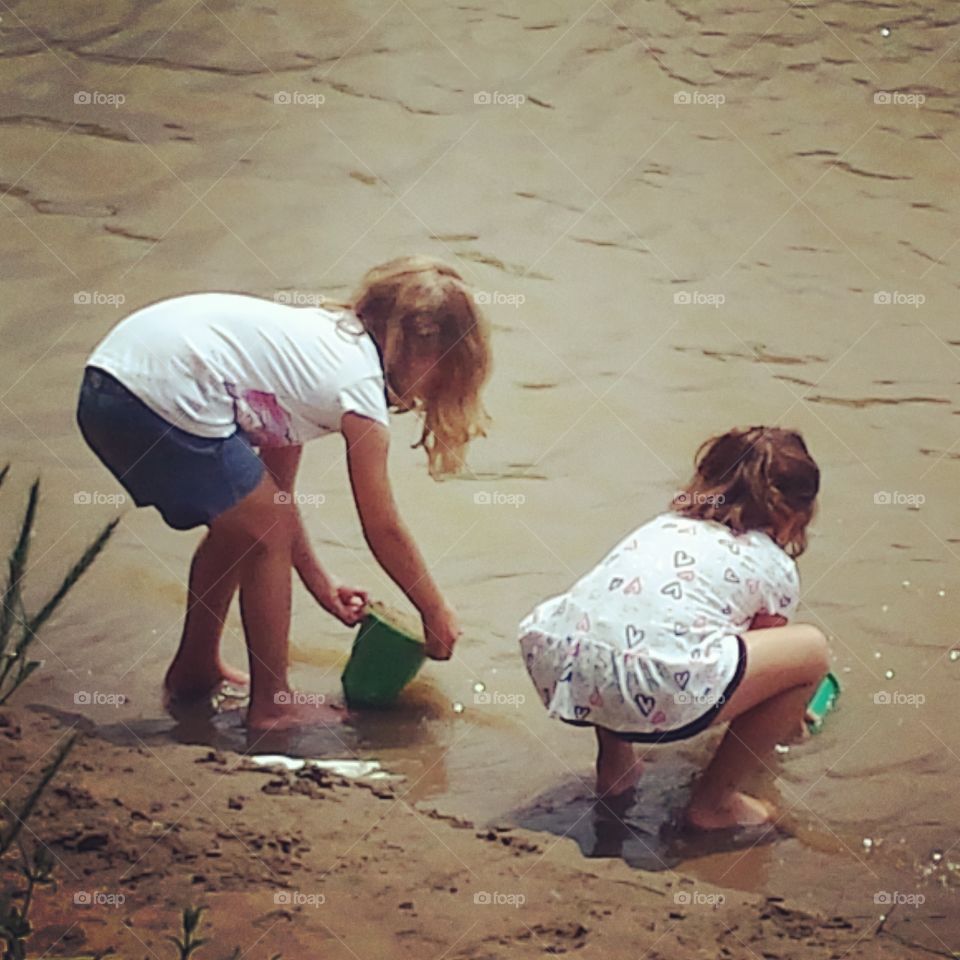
point(646, 642)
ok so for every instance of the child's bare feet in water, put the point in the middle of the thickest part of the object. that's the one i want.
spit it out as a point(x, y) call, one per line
point(179, 688)
point(736, 809)
point(291, 709)
point(618, 767)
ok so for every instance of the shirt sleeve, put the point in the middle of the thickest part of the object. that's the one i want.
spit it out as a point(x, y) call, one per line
point(366, 397)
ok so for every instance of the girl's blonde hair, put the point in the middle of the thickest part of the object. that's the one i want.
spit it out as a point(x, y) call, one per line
point(419, 308)
point(762, 478)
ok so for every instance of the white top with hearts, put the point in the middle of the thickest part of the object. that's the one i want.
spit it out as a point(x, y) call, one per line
point(647, 641)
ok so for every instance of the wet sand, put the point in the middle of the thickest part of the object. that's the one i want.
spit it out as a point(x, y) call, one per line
point(694, 219)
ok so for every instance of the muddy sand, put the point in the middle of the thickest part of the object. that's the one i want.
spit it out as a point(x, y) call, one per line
point(312, 865)
point(680, 217)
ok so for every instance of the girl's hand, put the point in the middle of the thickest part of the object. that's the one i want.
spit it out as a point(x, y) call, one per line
point(441, 630)
point(347, 604)
point(767, 621)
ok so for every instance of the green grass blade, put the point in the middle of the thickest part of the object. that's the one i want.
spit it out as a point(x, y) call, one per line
point(76, 572)
point(17, 565)
point(24, 669)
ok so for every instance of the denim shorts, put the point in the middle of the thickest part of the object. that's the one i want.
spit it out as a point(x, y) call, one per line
point(191, 480)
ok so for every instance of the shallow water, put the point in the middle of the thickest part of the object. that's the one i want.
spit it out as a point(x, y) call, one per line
point(604, 221)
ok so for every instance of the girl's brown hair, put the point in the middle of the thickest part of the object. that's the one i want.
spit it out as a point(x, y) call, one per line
point(762, 478)
point(419, 309)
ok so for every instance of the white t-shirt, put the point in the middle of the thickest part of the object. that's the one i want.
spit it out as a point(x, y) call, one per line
point(647, 641)
point(210, 363)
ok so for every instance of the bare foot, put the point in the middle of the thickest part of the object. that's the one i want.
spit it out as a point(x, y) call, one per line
point(178, 688)
point(232, 675)
point(736, 810)
point(291, 710)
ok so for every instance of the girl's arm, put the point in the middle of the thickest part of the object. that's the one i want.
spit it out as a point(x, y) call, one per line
point(767, 621)
point(368, 444)
point(345, 603)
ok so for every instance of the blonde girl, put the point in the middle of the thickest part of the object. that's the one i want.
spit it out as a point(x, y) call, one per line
point(200, 406)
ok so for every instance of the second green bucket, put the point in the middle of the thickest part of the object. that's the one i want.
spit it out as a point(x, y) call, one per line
point(823, 701)
point(386, 656)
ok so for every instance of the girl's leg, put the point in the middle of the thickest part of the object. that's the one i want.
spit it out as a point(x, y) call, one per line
point(197, 670)
point(618, 767)
point(257, 536)
point(784, 666)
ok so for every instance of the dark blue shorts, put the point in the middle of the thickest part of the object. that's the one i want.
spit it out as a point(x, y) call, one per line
point(191, 480)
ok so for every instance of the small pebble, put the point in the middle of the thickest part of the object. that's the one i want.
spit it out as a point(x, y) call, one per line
point(867, 843)
point(888, 674)
point(885, 31)
point(884, 608)
point(954, 656)
point(941, 593)
point(478, 687)
point(877, 654)
point(906, 583)
point(936, 856)
point(458, 707)
point(781, 748)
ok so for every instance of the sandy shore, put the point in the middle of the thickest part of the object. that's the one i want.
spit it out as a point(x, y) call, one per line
point(308, 865)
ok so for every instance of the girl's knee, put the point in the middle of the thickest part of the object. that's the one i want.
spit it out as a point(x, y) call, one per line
point(817, 651)
point(256, 533)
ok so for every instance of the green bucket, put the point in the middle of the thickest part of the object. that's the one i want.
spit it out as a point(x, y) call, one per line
point(822, 702)
point(386, 656)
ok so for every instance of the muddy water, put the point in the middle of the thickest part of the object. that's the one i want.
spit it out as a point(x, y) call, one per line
point(695, 218)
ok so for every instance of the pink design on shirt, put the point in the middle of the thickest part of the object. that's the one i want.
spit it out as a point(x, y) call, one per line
point(262, 417)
